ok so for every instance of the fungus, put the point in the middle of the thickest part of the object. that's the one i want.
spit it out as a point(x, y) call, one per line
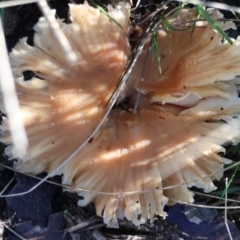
point(196, 61)
point(153, 149)
point(183, 117)
point(63, 100)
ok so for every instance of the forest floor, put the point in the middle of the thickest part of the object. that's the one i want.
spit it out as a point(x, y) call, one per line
point(48, 213)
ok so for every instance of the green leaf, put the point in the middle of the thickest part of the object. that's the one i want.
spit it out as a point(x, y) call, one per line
point(208, 18)
point(104, 12)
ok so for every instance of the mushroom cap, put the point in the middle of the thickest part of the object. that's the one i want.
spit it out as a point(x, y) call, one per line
point(194, 61)
point(157, 148)
point(144, 153)
point(64, 101)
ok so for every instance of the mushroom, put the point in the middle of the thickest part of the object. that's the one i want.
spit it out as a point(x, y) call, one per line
point(63, 100)
point(195, 61)
point(136, 156)
point(130, 167)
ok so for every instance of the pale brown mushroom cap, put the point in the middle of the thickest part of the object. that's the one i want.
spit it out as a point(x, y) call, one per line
point(68, 101)
point(192, 61)
point(154, 149)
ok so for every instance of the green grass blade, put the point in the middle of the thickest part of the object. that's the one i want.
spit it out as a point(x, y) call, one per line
point(208, 18)
point(155, 50)
point(154, 43)
point(178, 9)
point(194, 24)
point(167, 25)
point(230, 181)
point(229, 191)
point(104, 12)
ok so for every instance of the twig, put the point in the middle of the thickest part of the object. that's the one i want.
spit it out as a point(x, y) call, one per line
point(7, 185)
point(213, 5)
point(189, 236)
point(16, 234)
point(212, 196)
point(94, 227)
point(141, 81)
point(82, 225)
point(203, 206)
point(137, 5)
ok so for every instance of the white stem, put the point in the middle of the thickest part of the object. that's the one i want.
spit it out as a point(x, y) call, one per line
point(10, 99)
point(58, 34)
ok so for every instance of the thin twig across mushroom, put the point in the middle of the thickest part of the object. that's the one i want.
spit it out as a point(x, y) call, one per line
point(184, 116)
